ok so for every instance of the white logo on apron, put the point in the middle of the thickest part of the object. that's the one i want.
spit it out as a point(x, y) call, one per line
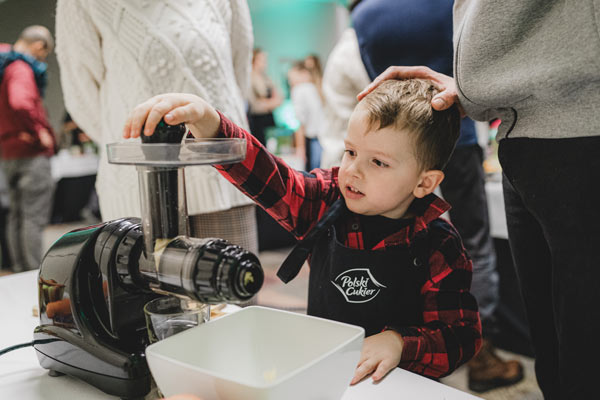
point(357, 285)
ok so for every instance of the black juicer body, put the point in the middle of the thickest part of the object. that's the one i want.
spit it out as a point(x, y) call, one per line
point(89, 303)
point(94, 282)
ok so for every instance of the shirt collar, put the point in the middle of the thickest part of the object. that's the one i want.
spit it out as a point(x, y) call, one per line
point(425, 210)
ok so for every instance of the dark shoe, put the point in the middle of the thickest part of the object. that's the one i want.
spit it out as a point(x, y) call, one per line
point(487, 371)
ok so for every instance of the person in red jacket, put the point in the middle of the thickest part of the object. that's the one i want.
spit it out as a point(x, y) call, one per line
point(26, 143)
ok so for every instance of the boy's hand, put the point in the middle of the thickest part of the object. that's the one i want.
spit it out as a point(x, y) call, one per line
point(380, 354)
point(447, 96)
point(199, 116)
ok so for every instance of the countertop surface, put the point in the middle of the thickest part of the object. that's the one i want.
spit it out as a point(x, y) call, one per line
point(21, 377)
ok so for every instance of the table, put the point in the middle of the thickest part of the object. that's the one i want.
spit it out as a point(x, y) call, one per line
point(21, 377)
point(75, 176)
point(66, 165)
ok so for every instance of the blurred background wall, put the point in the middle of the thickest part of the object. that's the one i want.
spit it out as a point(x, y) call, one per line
point(289, 30)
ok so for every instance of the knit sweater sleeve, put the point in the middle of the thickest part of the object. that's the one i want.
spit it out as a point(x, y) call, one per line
point(79, 54)
point(242, 40)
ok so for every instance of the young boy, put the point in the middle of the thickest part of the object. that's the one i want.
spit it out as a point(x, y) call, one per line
point(380, 256)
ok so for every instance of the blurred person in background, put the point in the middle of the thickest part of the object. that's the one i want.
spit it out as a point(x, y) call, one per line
point(75, 164)
point(204, 48)
point(344, 77)
point(73, 139)
point(308, 109)
point(26, 143)
point(264, 97)
point(413, 32)
point(313, 64)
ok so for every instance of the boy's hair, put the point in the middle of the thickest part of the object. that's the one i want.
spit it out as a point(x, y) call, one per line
point(406, 105)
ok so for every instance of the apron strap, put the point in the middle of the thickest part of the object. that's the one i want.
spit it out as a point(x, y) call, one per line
point(293, 263)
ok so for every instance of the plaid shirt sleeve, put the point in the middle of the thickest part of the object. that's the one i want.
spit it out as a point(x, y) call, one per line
point(451, 333)
point(297, 200)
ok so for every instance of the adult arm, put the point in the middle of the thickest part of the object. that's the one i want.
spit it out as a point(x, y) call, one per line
point(79, 54)
point(458, 12)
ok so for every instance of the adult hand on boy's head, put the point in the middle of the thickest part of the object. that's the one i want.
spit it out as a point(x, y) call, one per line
point(380, 354)
point(446, 85)
point(176, 108)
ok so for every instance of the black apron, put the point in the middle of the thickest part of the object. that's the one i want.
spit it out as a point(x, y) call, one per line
point(369, 288)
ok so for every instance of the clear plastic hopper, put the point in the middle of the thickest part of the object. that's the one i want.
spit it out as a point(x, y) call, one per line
point(161, 180)
point(168, 248)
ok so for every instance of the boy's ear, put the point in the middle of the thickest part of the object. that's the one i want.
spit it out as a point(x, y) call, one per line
point(428, 182)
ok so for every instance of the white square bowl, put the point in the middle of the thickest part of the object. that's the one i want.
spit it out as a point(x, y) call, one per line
point(259, 353)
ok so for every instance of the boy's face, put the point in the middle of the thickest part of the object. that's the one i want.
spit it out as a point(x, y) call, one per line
point(379, 171)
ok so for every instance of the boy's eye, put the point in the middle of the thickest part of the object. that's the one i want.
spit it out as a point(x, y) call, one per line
point(351, 153)
point(380, 163)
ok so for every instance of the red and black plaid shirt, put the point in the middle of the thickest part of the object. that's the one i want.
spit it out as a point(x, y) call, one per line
point(451, 330)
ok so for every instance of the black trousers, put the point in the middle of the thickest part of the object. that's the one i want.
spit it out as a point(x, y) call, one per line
point(551, 192)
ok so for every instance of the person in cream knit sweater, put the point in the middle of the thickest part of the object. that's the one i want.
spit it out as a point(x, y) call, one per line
point(113, 54)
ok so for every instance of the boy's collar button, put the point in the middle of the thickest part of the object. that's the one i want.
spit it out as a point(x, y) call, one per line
point(355, 227)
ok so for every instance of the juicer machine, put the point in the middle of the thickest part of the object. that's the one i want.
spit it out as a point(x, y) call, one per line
point(94, 281)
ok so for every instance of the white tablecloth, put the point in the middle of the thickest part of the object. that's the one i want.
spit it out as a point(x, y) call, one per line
point(66, 165)
point(22, 378)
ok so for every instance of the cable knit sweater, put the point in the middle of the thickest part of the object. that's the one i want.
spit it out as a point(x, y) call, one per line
point(115, 54)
